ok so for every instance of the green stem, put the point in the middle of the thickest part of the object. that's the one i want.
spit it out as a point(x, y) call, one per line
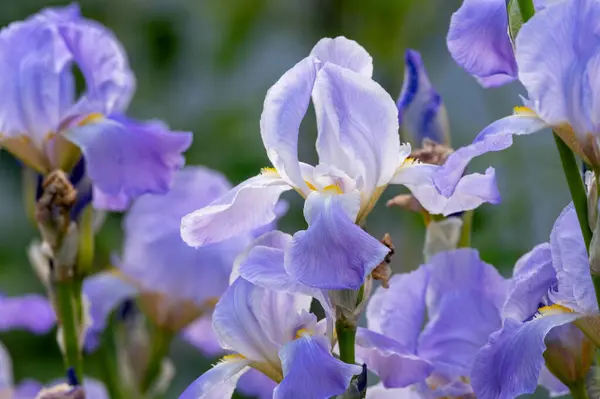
point(576, 187)
point(66, 308)
point(465, 233)
point(110, 365)
point(159, 347)
point(578, 390)
point(527, 9)
point(346, 334)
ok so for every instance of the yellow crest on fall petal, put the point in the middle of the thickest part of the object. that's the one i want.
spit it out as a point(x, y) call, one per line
point(524, 111)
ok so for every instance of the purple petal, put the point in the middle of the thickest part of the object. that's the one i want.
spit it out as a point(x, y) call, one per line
point(387, 358)
point(344, 52)
point(422, 113)
point(558, 64)
point(125, 157)
point(533, 278)
point(311, 372)
point(570, 260)
point(509, 365)
point(471, 191)
point(495, 137)
point(202, 335)
point(27, 389)
point(358, 125)
point(218, 382)
point(552, 384)
point(256, 384)
point(284, 108)
point(334, 253)
point(28, 312)
point(458, 329)
point(398, 312)
point(248, 206)
point(463, 270)
point(478, 41)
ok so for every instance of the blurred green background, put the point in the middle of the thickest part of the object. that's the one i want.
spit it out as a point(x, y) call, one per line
point(204, 66)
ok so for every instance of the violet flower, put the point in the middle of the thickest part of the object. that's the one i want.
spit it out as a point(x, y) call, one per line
point(47, 126)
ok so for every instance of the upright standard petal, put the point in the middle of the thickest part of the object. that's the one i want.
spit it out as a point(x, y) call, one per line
point(570, 260)
point(398, 312)
point(358, 126)
point(29, 312)
point(218, 382)
point(478, 41)
point(284, 108)
point(422, 113)
point(334, 253)
point(495, 137)
point(345, 53)
point(125, 157)
point(248, 206)
point(510, 364)
point(311, 372)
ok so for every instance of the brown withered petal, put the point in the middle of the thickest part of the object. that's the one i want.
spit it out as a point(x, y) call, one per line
point(383, 271)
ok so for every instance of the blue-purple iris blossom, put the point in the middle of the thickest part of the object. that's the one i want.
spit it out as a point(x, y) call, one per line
point(426, 328)
point(551, 288)
point(421, 112)
point(41, 117)
point(359, 155)
point(35, 314)
point(557, 52)
point(176, 284)
point(272, 332)
point(479, 41)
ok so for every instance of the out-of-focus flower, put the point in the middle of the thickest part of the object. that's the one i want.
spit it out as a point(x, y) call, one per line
point(359, 155)
point(551, 289)
point(176, 286)
point(273, 333)
point(46, 125)
point(462, 297)
point(556, 54)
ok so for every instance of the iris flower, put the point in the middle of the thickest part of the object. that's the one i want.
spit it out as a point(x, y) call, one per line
point(426, 328)
point(47, 125)
point(551, 295)
point(273, 333)
point(557, 58)
point(359, 155)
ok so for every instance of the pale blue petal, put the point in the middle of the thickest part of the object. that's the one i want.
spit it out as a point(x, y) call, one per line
point(495, 137)
point(510, 364)
point(345, 53)
point(570, 259)
point(458, 329)
point(422, 112)
point(533, 278)
point(396, 366)
point(202, 335)
point(398, 312)
point(478, 41)
point(284, 108)
point(552, 384)
point(311, 372)
point(218, 382)
point(126, 157)
point(471, 191)
point(358, 125)
point(558, 59)
point(257, 385)
point(248, 206)
point(27, 389)
point(30, 312)
point(334, 253)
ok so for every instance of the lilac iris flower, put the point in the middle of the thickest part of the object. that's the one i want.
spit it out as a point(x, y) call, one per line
point(551, 289)
point(46, 125)
point(556, 53)
point(35, 314)
point(272, 332)
point(422, 113)
point(359, 155)
point(176, 286)
point(426, 328)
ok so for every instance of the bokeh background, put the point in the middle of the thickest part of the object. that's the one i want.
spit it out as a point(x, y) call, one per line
point(205, 66)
